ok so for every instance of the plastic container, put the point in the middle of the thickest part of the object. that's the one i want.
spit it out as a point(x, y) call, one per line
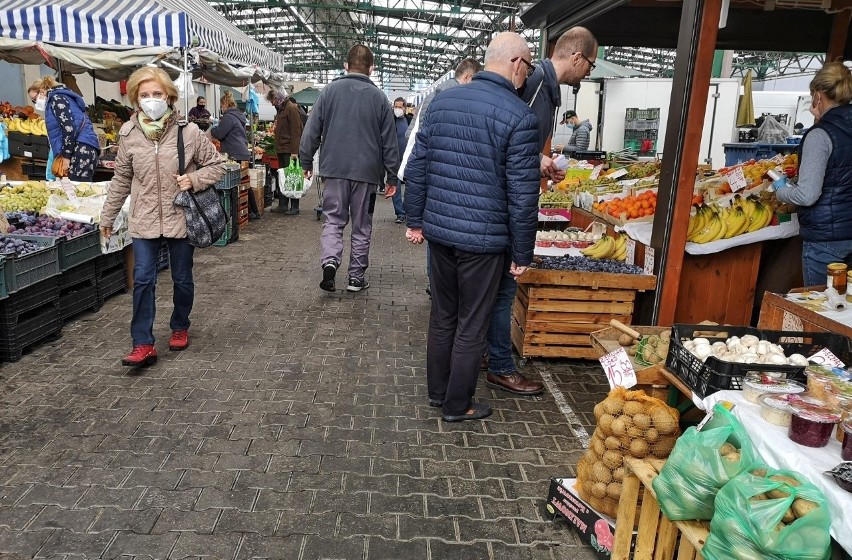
point(755, 385)
point(846, 450)
point(838, 394)
point(820, 377)
point(812, 422)
point(775, 408)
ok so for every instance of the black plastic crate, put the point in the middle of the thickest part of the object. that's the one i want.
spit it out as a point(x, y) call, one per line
point(108, 263)
point(79, 273)
point(111, 284)
point(47, 324)
point(705, 378)
point(28, 145)
point(78, 298)
point(34, 171)
point(26, 270)
point(77, 250)
point(25, 303)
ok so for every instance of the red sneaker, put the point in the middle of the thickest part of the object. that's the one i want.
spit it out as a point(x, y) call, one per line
point(142, 355)
point(179, 340)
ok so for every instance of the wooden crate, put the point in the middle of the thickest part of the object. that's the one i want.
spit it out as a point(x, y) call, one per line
point(649, 378)
point(555, 311)
point(656, 537)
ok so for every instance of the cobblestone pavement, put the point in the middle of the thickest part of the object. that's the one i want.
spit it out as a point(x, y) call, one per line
point(296, 425)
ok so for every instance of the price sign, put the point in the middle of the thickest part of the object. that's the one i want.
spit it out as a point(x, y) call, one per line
point(736, 179)
point(631, 252)
point(617, 173)
point(619, 369)
point(649, 260)
point(596, 172)
point(825, 358)
point(778, 158)
point(68, 189)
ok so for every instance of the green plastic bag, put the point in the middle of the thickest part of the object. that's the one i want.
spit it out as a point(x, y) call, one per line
point(291, 180)
point(696, 469)
point(749, 528)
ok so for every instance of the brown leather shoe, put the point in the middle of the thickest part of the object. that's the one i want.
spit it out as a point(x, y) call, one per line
point(515, 383)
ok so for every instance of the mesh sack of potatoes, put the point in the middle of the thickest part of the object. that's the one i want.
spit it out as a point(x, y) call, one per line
point(629, 424)
point(769, 515)
point(700, 464)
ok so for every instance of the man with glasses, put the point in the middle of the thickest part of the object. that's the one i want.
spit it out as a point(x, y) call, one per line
point(573, 59)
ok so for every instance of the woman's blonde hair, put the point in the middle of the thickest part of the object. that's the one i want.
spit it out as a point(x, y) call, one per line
point(227, 101)
point(145, 74)
point(835, 81)
point(45, 83)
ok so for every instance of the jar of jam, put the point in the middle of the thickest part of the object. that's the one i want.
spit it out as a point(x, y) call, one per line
point(837, 277)
point(846, 450)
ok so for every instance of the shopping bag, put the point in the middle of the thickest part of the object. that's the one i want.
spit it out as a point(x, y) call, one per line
point(700, 464)
point(205, 217)
point(291, 181)
point(770, 515)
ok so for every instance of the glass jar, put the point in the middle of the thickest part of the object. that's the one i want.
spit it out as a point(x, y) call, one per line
point(837, 277)
point(848, 281)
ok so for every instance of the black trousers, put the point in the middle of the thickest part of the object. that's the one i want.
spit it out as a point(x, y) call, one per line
point(464, 288)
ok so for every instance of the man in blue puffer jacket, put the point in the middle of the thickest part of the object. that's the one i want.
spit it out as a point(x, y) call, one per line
point(473, 184)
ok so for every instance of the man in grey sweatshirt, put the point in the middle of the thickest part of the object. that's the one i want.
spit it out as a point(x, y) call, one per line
point(352, 119)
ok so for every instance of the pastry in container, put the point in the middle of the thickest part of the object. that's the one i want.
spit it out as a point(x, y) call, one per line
point(812, 422)
point(757, 384)
point(775, 408)
point(838, 393)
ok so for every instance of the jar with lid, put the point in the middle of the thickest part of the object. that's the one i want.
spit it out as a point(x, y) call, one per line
point(848, 281)
point(846, 449)
point(837, 277)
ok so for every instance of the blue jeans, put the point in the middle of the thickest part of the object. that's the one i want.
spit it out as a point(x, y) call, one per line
point(145, 286)
point(816, 255)
point(398, 207)
point(499, 338)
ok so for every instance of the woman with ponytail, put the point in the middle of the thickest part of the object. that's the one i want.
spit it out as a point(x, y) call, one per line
point(824, 190)
point(231, 134)
point(70, 132)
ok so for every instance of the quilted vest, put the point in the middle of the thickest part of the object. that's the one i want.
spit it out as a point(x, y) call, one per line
point(83, 129)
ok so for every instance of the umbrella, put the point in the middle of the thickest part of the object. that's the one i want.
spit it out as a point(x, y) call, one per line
point(307, 96)
point(745, 111)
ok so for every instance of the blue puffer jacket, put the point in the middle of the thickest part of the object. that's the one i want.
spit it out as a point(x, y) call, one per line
point(473, 178)
point(84, 132)
point(830, 217)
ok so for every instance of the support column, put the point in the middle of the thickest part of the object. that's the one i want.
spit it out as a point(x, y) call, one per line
point(699, 26)
point(839, 35)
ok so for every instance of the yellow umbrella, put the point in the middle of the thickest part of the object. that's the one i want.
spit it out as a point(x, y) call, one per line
point(745, 111)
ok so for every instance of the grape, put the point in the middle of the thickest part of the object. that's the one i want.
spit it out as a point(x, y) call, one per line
point(585, 264)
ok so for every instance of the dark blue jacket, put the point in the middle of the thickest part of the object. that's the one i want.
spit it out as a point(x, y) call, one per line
point(541, 92)
point(401, 128)
point(84, 131)
point(830, 217)
point(231, 133)
point(473, 178)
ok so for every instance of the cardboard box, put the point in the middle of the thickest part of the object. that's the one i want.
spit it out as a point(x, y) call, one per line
point(595, 529)
point(258, 198)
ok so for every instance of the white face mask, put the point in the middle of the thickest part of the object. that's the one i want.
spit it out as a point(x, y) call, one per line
point(41, 103)
point(813, 109)
point(154, 108)
point(398, 112)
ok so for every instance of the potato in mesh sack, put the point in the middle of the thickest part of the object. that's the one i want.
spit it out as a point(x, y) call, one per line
point(629, 424)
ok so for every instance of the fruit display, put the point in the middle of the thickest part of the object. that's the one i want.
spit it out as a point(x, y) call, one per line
point(608, 248)
point(650, 350)
point(641, 170)
point(31, 195)
point(555, 199)
point(564, 239)
point(34, 125)
point(629, 207)
point(24, 218)
point(54, 227)
point(584, 264)
point(746, 350)
point(17, 247)
point(711, 223)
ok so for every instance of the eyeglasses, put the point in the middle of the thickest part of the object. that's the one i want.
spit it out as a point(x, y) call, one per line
point(586, 58)
point(530, 66)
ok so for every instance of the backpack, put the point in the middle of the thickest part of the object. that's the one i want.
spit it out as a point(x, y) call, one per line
point(205, 217)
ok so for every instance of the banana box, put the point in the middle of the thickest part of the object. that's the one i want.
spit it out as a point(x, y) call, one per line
point(28, 145)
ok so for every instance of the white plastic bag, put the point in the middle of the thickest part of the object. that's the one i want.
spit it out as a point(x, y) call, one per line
point(291, 182)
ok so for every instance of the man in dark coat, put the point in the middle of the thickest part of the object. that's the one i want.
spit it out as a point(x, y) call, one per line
point(473, 184)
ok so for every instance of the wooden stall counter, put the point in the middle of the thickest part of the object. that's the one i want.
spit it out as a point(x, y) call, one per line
point(779, 313)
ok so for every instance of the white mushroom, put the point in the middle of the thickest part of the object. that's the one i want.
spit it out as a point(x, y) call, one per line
point(776, 359)
point(703, 351)
point(689, 345)
point(701, 340)
point(737, 349)
point(733, 341)
point(749, 340)
point(797, 360)
point(748, 358)
point(776, 349)
point(762, 348)
point(719, 347)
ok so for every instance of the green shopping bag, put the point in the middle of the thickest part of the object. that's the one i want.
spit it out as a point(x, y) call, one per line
point(291, 180)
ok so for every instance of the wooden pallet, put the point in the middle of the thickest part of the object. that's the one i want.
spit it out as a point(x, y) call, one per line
point(555, 311)
point(657, 538)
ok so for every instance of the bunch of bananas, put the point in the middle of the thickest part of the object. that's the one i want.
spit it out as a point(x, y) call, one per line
point(745, 215)
point(608, 248)
point(36, 127)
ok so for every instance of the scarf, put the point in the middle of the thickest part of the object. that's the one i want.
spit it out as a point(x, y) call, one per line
point(154, 129)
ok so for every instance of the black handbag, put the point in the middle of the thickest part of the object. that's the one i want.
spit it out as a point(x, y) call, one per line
point(205, 216)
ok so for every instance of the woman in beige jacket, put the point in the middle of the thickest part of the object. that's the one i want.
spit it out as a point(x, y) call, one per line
point(146, 169)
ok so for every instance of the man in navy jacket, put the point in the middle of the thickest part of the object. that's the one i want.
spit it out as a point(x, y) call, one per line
point(473, 184)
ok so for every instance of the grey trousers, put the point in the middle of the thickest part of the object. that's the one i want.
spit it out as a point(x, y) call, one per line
point(343, 200)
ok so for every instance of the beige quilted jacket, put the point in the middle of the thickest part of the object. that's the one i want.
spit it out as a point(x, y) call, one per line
point(145, 171)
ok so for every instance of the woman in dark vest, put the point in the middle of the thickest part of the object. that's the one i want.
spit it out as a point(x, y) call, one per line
point(824, 191)
point(70, 132)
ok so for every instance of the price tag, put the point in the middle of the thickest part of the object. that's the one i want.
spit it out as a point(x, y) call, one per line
point(792, 322)
point(778, 158)
point(619, 369)
point(649, 260)
point(596, 172)
point(631, 252)
point(617, 173)
point(825, 358)
point(737, 179)
point(68, 189)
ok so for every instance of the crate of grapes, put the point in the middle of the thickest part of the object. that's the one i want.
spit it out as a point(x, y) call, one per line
point(28, 259)
point(559, 304)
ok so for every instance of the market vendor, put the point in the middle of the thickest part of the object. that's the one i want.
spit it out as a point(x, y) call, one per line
point(824, 190)
point(199, 114)
point(580, 133)
point(70, 132)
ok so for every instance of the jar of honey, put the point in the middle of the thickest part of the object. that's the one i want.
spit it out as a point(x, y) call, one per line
point(837, 277)
point(848, 281)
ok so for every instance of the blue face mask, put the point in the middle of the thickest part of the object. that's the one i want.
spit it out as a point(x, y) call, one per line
point(570, 126)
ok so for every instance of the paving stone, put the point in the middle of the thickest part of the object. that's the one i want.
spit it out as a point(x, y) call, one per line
point(131, 544)
point(214, 499)
point(18, 517)
point(333, 548)
point(442, 550)
point(171, 519)
point(91, 545)
point(235, 521)
point(384, 549)
point(74, 520)
point(205, 546)
point(270, 548)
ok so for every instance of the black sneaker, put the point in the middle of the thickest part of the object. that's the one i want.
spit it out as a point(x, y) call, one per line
point(399, 220)
point(328, 272)
point(357, 284)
